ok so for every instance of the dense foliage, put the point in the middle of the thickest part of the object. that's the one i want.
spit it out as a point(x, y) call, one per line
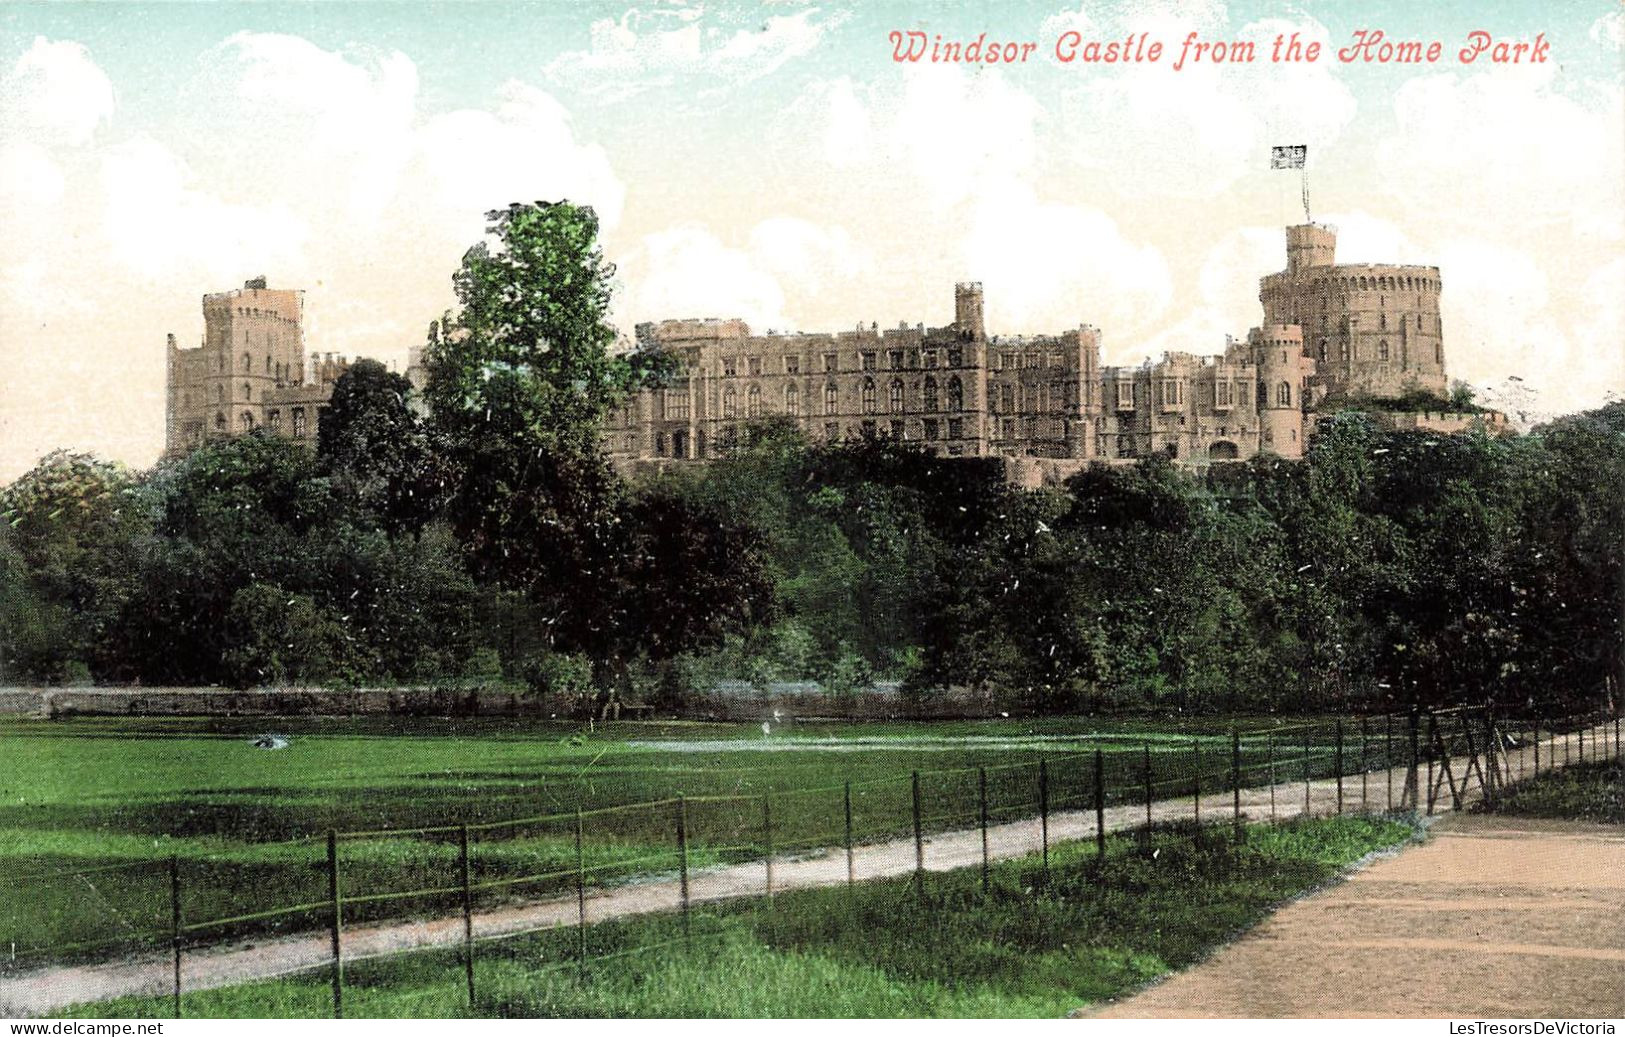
point(480, 534)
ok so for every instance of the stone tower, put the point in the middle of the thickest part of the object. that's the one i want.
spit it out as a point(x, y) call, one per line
point(968, 310)
point(1282, 375)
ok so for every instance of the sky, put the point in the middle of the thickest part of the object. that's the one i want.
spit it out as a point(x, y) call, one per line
point(773, 162)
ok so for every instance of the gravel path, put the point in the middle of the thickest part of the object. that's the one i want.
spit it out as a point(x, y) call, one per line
point(45, 991)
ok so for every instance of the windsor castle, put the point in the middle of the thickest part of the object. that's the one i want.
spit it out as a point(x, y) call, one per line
point(1044, 403)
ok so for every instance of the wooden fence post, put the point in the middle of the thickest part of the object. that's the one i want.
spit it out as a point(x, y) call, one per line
point(1269, 749)
point(1388, 756)
point(1146, 749)
point(1337, 764)
point(919, 841)
point(1307, 771)
point(1235, 782)
point(682, 862)
point(851, 863)
point(1536, 739)
point(1100, 805)
point(981, 803)
point(1196, 785)
point(581, 905)
point(336, 903)
point(175, 924)
point(767, 843)
point(468, 911)
point(1043, 812)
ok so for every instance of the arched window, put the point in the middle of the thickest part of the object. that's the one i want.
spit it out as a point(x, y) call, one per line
point(267, 363)
point(1323, 349)
point(896, 396)
point(219, 422)
point(248, 391)
point(956, 394)
point(832, 399)
point(730, 403)
point(246, 422)
point(246, 363)
point(660, 444)
point(1283, 395)
point(930, 395)
point(868, 396)
point(792, 401)
point(1382, 350)
point(753, 402)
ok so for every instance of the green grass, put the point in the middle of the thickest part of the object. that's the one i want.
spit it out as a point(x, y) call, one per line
point(246, 825)
point(1030, 948)
point(1579, 792)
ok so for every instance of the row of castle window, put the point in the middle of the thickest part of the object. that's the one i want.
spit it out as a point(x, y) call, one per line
point(675, 405)
point(273, 421)
point(897, 360)
point(1378, 284)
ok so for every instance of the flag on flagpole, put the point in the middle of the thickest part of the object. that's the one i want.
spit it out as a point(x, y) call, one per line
point(1290, 156)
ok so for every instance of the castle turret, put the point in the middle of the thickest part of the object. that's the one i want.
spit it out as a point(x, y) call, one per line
point(968, 310)
point(1310, 244)
point(1282, 376)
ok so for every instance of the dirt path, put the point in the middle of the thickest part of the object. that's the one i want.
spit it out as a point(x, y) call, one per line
point(47, 990)
point(1492, 918)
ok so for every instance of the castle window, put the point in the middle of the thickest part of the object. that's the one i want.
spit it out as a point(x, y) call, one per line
point(220, 423)
point(866, 361)
point(246, 422)
point(956, 428)
point(932, 428)
point(831, 363)
point(274, 420)
point(753, 402)
point(956, 394)
point(868, 396)
point(1125, 394)
point(956, 358)
point(675, 404)
point(248, 391)
point(730, 365)
point(1283, 395)
point(1343, 350)
point(247, 362)
point(1243, 393)
point(930, 358)
point(792, 401)
point(1323, 349)
point(896, 397)
point(832, 399)
point(895, 360)
point(220, 394)
point(267, 363)
point(754, 365)
point(1007, 398)
point(792, 365)
point(897, 431)
point(660, 444)
point(730, 403)
point(930, 395)
point(1382, 321)
point(832, 431)
point(1382, 350)
point(299, 423)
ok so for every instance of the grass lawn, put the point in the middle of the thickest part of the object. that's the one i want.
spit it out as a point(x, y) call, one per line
point(1027, 949)
point(1579, 792)
point(247, 825)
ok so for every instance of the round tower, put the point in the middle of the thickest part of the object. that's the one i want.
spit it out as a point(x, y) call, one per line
point(1278, 352)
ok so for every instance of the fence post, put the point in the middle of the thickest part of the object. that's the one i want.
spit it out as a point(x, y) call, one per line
point(1146, 749)
point(581, 904)
point(337, 906)
point(1433, 740)
point(1043, 812)
point(1100, 805)
point(1196, 785)
point(767, 844)
point(1388, 756)
point(1307, 766)
point(981, 803)
point(175, 924)
point(1365, 765)
point(1269, 749)
point(1413, 773)
point(468, 911)
point(1337, 762)
point(682, 860)
point(1537, 747)
point(1235, 782)
point(851, 864)
point(919, 842)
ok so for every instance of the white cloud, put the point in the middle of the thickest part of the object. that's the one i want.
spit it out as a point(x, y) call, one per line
point(1538, 156)
point(55, 94)
point(650, 47)
point(688, 271)
point(1609, 30)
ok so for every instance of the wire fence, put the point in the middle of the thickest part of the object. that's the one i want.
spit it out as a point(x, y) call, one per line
point(344, 897)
